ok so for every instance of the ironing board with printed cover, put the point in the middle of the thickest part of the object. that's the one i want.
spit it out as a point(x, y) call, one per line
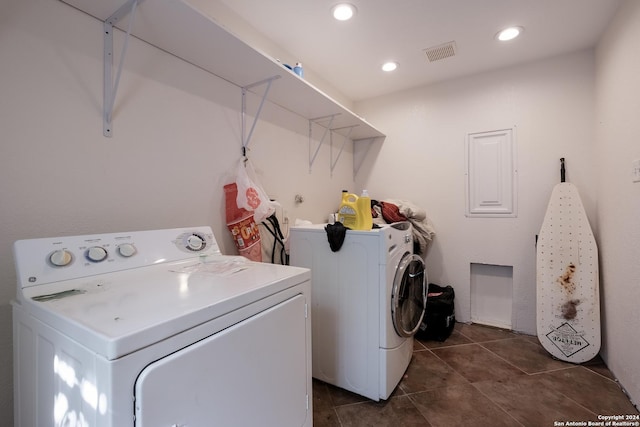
point(568, 299)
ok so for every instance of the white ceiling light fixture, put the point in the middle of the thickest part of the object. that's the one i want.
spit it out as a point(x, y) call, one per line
point(343, 11)
point(509, 33)
point(389, 66)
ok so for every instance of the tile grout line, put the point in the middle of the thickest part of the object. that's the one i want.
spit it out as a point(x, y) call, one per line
point(472, 384)
point(468, 382)
point(497, 404)
point(413, 402)
point(504, 360)
point(337, 416)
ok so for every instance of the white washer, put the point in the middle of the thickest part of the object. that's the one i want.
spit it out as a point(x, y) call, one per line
point(157, 328)
point(368, 300)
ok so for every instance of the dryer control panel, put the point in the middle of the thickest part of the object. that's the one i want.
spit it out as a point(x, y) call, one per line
point(40, 261)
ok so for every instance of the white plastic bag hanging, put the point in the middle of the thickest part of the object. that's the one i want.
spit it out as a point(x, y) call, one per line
point(251, 195)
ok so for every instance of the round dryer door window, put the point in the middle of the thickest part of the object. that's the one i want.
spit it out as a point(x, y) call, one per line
point(409, 297)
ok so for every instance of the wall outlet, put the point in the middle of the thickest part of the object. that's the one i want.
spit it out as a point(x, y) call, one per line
point(636, 170)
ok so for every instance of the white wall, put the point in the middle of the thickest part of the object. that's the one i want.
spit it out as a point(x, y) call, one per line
point(176, 140)
point(617, 144)
point(552, 105)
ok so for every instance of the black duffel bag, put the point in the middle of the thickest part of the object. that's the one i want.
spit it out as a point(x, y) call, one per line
point(440, 316)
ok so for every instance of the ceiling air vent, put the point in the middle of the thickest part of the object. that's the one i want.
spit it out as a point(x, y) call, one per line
point(442, 51)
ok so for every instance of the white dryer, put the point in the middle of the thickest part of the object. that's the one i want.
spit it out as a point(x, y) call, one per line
point(368, 300)
point(157, 328)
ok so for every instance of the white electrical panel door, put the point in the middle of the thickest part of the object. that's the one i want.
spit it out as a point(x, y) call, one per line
point(491, 174)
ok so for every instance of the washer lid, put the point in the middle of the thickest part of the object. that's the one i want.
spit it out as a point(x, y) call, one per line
point(117, 313)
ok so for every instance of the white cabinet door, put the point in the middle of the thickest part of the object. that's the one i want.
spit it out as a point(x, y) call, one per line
point(253, 373)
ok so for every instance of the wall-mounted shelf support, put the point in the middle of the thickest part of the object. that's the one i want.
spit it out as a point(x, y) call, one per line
point(327, 129)
point(360, 151)
point(180, 29)
point(111, 86)
point(344, 141)
point(246, 139)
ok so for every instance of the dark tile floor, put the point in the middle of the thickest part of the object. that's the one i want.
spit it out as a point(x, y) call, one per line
point(481, 376)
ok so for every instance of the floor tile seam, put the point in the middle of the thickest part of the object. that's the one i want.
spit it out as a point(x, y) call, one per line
point(344, 405)
point(614, 381)
point(419, 343)
point(549, 371)
point(415, 404)
point(627, 395)
point(561, 393)
point(374, 402)
point(578, 403)
point(367, 400)
point(328, 393)
point(497, 339)
point(481, 346)
point(413, 393)
point(452, 345)
point(518, 423)
point(451, 367)
point(337, 416)
point(505, 360)
point(475, 340)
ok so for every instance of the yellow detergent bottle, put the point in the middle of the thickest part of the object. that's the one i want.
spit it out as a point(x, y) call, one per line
point(355, 212)
point(365, 220)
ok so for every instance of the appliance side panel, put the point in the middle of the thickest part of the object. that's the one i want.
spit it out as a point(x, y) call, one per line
point(345, 293)
point(310, 249)
point(55, 381)
point(24, 381)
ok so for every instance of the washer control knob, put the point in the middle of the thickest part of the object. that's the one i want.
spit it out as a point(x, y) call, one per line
point(61, 258)
point(96, 254)
point(195, 242)
point(126, 250)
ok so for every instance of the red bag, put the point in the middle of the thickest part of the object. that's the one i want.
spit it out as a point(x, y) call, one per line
point(242, 226)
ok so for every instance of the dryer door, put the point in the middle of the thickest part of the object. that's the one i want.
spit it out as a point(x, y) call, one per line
point(253, 373)
point(409, 295)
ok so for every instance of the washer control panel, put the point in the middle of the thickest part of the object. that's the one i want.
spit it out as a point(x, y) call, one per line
point(40, 261)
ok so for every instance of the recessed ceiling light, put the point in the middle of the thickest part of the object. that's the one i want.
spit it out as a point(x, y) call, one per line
point(509, 33)
point(389, 66)
point(343, 11)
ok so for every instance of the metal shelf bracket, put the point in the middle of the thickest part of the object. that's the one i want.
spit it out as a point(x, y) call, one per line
point(111, 86)
point(327, 129)
point(360, 151)
point(246, 139)
point(344, 141)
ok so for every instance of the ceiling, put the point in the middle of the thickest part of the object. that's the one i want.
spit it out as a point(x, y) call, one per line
point(349, 54)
